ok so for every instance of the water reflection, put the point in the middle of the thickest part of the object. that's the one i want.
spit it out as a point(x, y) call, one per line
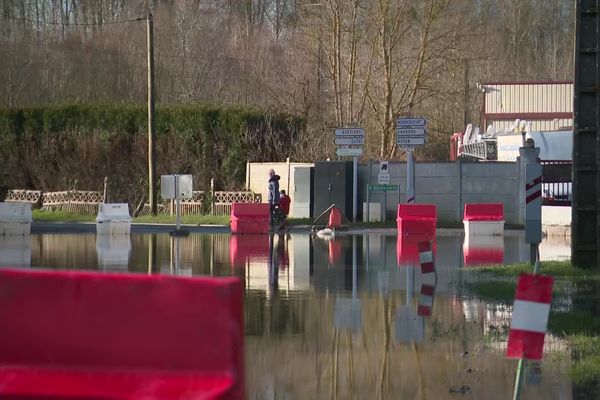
point(114, 252)
point(340, 318)
point(15, 251)
point(481, 250)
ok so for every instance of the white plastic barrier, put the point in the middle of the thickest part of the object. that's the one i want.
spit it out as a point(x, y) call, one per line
point(113, 219)
point(15, 218)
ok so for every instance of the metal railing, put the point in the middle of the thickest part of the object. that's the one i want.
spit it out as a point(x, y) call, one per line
point(486, 149)
point(556, 182)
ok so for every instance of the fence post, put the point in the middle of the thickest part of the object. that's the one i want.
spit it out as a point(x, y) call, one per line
point(212, 196)
point(105, 194)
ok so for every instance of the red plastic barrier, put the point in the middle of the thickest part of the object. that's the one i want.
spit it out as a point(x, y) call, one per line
point(84, 335)
point(335, 218)
point(483, 212)
point(407, 249)
point(252, 247)
point(250, 218)
point(416, 219)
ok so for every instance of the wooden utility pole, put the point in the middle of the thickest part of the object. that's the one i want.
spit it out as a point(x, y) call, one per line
point(152, 194)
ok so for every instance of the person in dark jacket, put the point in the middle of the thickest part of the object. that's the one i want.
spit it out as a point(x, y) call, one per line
point(273, 190)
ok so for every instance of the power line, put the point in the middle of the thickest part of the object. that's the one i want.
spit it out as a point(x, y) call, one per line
point(40, 22)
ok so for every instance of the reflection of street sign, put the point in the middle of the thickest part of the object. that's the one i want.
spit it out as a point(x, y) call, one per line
point(383, 188)
point(411, 122)
point(409, 326)
point(383, 279)
point(410, 131)
point(347, 314)
point(349, 151)
point(350, 132)
point(349, 140)
point(410, 141)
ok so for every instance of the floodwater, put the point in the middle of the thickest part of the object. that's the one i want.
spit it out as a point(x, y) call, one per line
point(343, 318)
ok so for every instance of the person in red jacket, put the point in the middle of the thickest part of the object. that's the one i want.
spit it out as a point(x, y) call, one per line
point(284, 203)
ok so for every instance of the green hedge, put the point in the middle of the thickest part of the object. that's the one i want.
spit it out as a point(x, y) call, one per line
point(75, 145)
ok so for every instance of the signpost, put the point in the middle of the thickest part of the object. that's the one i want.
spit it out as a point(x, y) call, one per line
point(384, 174)
point(410, 132)
point(383, 188)
point(350, 142)
point(349, 151)
point(411, 141)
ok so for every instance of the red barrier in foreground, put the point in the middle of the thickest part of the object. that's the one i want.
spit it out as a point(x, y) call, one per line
point(84, 335)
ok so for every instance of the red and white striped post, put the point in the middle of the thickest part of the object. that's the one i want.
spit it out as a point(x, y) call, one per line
point(529, 321)
point(425, 304)
point(533, 208)
point(426, 259)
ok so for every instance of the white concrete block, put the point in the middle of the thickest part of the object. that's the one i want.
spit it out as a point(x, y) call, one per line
point(484, 228)
point(113, 219)
point(373, 210)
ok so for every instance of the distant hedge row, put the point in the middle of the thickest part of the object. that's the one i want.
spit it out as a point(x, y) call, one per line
point(75, 145)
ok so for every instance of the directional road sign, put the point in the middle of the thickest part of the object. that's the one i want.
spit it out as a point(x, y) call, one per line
point(349, 151)
point(410, 131)
point(383, 188)
point(411, 141)
point(411, 122)
point(350, 132)
point(349, 140)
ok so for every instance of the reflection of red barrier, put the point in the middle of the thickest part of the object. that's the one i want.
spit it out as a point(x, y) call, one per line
point(83, 335)
point(407, 248)
point(335, 251)
point(250, 218)
point(335, 218)
point(244, 248)
point(483, 250)
point(416, 219)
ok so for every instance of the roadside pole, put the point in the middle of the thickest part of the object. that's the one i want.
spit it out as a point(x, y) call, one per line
point(410, 133)
point(369, 198)
point(349, 142)
point(533, 225)
point(410, 176)
point(354, 187)
point(152, 191)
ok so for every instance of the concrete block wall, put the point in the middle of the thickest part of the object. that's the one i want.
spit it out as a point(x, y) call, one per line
point(448, 185)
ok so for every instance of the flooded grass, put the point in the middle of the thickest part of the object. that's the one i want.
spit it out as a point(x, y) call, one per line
point(495, 291)
point(586, 356)
point(61, 216)
point(185, 219)
point(558, 269)
point(578, 322)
